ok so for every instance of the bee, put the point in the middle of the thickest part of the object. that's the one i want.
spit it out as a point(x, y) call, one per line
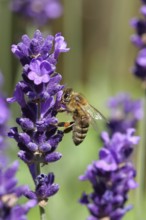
point(83, 114)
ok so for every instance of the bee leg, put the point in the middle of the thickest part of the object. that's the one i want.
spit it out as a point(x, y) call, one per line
point(67, 126)
point(68, 129)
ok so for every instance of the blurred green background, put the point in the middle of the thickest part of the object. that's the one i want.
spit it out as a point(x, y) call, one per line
point(98, 65)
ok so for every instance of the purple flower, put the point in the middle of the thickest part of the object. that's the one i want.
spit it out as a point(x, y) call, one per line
point(41, 48)
point(125, 112)
point(39, 97)
point(39, 11)
point(20, 211)
point(139, 39)
point(139, 70)
point(10, 193)
point(45, 187)
point(39, 72)
point(111, 177)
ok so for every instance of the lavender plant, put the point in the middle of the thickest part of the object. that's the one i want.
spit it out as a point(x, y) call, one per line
point(139, 40)
point(9, 191)
point(111, 177)
point(10, 194)
point(38, 95)
point(139, 70)
point(38, 11)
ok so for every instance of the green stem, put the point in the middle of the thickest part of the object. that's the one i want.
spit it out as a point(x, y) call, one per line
point(42, 213)
point(42, 210)
point(38, 168)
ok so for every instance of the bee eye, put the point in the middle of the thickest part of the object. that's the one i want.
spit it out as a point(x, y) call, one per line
point(67, 97)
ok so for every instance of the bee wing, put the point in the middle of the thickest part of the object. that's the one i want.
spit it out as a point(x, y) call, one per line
point(94, 115)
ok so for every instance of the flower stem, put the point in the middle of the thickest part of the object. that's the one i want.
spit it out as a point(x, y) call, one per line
point(38, 168)
point(42, 210)
point(42, 213)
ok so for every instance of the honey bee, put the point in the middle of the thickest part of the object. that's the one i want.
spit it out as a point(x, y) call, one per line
point(83, 114)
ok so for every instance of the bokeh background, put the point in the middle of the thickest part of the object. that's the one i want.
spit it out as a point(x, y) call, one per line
point(99, 66)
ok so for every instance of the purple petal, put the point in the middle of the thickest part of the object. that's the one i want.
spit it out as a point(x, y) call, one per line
point(52, 157)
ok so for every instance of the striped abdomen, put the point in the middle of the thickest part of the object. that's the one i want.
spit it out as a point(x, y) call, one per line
point(80, 129)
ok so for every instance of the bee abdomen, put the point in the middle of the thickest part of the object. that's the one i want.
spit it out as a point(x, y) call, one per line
point(79, 132)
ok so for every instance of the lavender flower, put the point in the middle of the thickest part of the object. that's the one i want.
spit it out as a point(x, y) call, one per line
point(139, 39)
point(125, 113)
point(39, 11)
point(38, 95)
point(40, 48)
point(112, 176)
point(10, 193)
point(45, 188)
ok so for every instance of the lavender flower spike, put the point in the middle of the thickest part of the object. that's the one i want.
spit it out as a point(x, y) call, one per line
point(38, 95)
point(10, 193)
point(112, 176)
point(139, 39)
point(124, 113)
point(139, 24)
point(48, 48)
point(39, 11)
point(45, 188)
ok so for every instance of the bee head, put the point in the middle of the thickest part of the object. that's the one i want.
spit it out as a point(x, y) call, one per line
point(66, 97)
